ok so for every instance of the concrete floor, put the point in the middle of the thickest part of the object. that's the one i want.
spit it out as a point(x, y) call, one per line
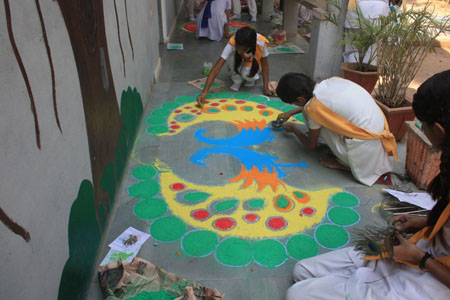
point(238, 283)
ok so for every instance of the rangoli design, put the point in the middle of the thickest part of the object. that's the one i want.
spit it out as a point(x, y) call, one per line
point(234, 26)
point(252, 215)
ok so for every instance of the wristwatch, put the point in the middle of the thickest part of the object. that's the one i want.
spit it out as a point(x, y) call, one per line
point(424, 260)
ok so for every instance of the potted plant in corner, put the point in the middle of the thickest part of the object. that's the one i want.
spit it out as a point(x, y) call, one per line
point(402, 45)
point(361, 38)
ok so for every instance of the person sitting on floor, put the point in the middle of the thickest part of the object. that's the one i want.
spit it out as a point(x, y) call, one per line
point(345, 116)
point(246, 53)
point(214, 20)
point(420, 266)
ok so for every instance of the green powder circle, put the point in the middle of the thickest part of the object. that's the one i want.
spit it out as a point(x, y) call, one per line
point(274, 103)
point(155, 120)
point(282, 202)
point(258, 99)
point(157, 295)
point(299, 117)
point(199, 243)
point(150, 208)
point(223, 95)
point(161, 112)
point(256, 203)
point(331, 236)
point(186, 117)
point(196, 197)
point(144, 189)
point(269, 253)
point(185, 99)
point(248, 108)
point(343, 216)
point(302, 246)
point(168, 229)
point(157, 129)
point(345, 199)
point(234, 252)
point(144, 172)
point(225, 205)
point(289, 108)
point(170, 105)
point(241, 96)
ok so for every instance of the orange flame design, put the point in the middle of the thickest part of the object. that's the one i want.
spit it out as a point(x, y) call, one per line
point(249, 124)
point(262, 178)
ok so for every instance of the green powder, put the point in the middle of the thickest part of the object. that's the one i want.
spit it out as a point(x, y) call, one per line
point(345, 199)
point(302, 246)
point(269, 253)
point(343, 216)
point(186, 117)
point(159, 295)
point(274, 103)
point(258, 99)
point(241, 96)
point(225, 205)
point(185, 99)
point(299, 117)
point(168, 229)
point(150, 208)
point(170, 105)
point(144, 189)
point(234, 252)
point(155, 120)
point(196, 197)
point(288, 108)
point(161, 112)
point(331, 236)
point(282, 202)
point(199, 243)
point(223, 95)
point(157, 129)
point(144, 172)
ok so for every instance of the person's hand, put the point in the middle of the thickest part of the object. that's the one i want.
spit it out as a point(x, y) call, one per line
point(283, 117)
point(201, 99)
point(289, 127)
point(406, 250)
point(408, 223)
point(268, 91)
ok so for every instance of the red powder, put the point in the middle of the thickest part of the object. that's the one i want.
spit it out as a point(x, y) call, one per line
point(177, 186)
point(240, 102)
point(175, 126)
point(261, 106)
point(276, 223)
point(308, 210)
point(200, 214)
point(214, 104)
point(224, 223)
point(251, 217)
point(177, 111)
point(223, 100)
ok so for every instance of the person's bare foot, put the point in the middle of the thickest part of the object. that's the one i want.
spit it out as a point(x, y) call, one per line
point(332, 163)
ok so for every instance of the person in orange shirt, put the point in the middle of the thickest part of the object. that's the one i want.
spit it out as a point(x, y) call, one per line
point(246, 54)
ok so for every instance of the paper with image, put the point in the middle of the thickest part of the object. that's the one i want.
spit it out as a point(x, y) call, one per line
point(286, 48)
point(114, 256)
point(130, 240)
point(218, 85)
point(423, 200)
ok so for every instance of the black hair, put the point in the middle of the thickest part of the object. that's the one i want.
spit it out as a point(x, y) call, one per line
point(246, 37)
point(293, 85)
point(431, 105)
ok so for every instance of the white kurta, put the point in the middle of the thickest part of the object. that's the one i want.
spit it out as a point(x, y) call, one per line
point(341, 274)
point(216, 23)
point(366, 158)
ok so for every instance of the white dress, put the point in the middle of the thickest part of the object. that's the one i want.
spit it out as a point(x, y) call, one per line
point(341, 274)
point(366, 158)
point(216, 23)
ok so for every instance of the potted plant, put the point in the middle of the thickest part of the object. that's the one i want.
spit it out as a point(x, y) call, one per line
point(402, 45)
point(361, 38)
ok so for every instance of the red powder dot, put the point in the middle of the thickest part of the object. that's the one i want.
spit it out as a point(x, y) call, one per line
point(173, 122)
point(198, 106)
point(206, 101)
point(193, 111)
point(172, 131)
point(178, 111)
point(214, 104)
point(199, 113)
point(240, 102)
point(224, 223)
point(175, 126)
point(177, 186)
point(200, 214)
point(220, 173)
point(260, 106)
point(251, 217)
point(223, 100)
point(308, 211)
point(276, 223)
point(187, 107)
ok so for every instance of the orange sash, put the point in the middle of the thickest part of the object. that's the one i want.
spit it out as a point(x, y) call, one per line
point(321, 114)
point(258, 51)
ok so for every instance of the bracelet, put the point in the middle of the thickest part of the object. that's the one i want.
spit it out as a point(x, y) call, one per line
point(424, 260)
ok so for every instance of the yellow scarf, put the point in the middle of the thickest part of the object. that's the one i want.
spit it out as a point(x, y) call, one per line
point(427, 233)
point(321, 114)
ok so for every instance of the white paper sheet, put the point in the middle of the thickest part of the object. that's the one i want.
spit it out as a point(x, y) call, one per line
point(130, 240)
point(423, 200)
point(114, 256)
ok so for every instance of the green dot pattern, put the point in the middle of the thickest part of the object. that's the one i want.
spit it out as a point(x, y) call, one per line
point(282, 202)
point(299, 195)
point(258, 99)
point(162, 112)
point(230, 108)
point(144, 172)
point(156, 120)
point(170, 105)
point(274, 103)
point(144, 189)
point(157, 129)
point(256, 203)
point(288, 108)
point(185, 99)
point(196, 197)
point(168, 229)
point(150, 208)
point(345, 199)
point(248, 108)
point(269, 253)
point(234, 252)
point(302, 246)
point(213, 110)
point(223, 95)
point(241, 96)
point(199, 243)
point(299, 117)
point(186, 117)
point(225, 205)
point(343, 216)
point(331, 236)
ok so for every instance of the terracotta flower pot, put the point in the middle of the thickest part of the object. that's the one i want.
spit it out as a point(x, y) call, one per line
point(365, 79)
point(422, 160)
point(396, 118)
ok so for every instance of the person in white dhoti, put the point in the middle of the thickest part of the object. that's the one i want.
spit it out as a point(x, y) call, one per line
point(252, 9)
point(213, 21)
point(419, 268)
point(346, 118)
